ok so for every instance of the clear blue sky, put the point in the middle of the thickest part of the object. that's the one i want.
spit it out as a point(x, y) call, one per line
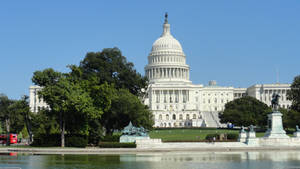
point(238, 43)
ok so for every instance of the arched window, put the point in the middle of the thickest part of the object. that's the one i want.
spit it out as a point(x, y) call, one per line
point(174, 117)
point(167, 117)
point(187, 116)
point(194, 116)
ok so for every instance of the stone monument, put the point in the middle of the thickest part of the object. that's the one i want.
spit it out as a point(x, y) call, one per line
point(275, 128)
point(242, 135)
point(297, 132)
point(251, 137)
point(131, 133)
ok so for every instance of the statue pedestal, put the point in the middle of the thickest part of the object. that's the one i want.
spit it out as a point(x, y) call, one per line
point(131, 139)
point(297, 134)
point(251, 139)
point(275, 128)
point(242, 137)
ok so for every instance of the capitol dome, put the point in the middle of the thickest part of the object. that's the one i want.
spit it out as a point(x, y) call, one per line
point(166, 61)
point(166, 42)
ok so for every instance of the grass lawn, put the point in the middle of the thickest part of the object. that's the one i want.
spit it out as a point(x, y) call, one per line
point(191, 134)
point(187, 134)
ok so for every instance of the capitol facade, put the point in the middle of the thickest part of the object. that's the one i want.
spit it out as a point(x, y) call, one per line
point(174, 100)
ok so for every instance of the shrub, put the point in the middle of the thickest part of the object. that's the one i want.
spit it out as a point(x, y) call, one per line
point(116, 145)
point(232, 136)
point(76, 141)
point(43, 140)
point(211, 136)
point(53, 140)
point(111, 138)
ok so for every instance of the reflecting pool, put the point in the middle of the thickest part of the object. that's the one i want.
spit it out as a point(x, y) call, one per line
point(161, 160)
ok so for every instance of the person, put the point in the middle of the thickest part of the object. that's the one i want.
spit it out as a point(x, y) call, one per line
point(214, 139)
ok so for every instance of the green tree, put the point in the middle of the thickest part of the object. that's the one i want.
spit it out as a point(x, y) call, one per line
point(290, 118)
point(10, 115)
point(125, 108)
point(5, 102)
point(294, 94)
point(245, 111)
point(112, 67)
point(22, 116)
point(69, 102)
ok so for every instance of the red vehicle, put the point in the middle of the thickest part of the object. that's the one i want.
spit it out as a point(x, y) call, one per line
point(13, 138)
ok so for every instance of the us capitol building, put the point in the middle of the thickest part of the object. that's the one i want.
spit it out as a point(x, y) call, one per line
point(174, 100)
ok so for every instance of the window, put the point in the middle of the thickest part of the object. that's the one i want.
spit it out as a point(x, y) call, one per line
point(180, 116)
point(184, 96)
point(194, 116)
point(176, 96)
point(216, 100)
point(157, 107)
point(157, 96)
point(187, 116)
point(174, 117)
point(208, 101)
point(216, 109)
point(167, 117)
point(160, 117)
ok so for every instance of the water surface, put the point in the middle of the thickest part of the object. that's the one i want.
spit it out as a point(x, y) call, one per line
point(168, 160)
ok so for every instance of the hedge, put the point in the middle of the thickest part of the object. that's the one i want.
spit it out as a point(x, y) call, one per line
point(111, 138)
point(116, 145)
point(76, 141)
point(232, 136)
point(211, 136)
point(53, 140)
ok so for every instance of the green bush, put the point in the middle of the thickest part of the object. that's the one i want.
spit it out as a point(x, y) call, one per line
point(111, 138)
point(232, 136)
point(53, 140)
point(43, 140)
point(116, 145)
point(211, 136)
point(76, 141)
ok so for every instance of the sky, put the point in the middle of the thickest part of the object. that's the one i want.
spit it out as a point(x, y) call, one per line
point(237, 43)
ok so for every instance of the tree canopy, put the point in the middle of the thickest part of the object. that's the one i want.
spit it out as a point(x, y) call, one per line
point(101, 93)
point(15, 115)
point(112, 67)
point(68, 100)
point(245, 111)
point(294, 94)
